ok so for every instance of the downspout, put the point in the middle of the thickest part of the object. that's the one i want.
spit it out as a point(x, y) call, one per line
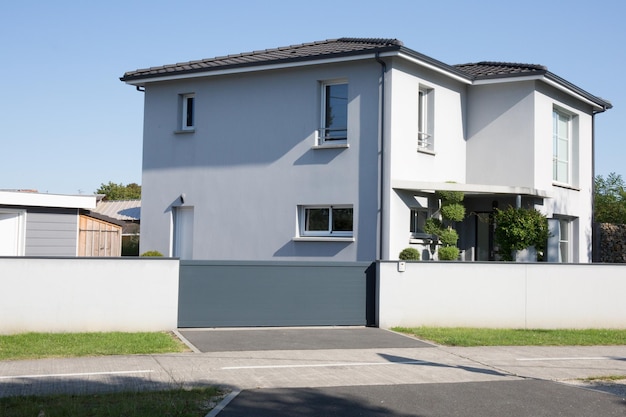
point(595, 244)
point(381, 228)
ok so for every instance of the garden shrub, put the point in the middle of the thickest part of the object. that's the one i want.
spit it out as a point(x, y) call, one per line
point(409, 254)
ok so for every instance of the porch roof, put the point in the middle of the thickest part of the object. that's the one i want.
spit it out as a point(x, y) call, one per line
point(468, 189)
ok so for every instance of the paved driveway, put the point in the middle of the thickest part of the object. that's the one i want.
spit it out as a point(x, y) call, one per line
point(257, 339)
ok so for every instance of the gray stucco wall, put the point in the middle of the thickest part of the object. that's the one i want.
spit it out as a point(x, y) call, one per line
point(51, 232)
point(250, 163)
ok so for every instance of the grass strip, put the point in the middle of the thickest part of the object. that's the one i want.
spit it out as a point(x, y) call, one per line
point(54, 345)
point(196, 402)
point(468, 337)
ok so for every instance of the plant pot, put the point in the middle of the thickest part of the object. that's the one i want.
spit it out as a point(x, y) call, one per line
point(525, 255)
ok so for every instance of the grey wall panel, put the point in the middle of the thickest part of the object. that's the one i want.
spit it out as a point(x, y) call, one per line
point(51, 232)
point(231, 294)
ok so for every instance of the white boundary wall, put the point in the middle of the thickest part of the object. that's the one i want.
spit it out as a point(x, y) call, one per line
point(88, 294)
point(501, 295)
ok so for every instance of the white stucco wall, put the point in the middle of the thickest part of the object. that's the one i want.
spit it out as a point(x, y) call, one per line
point(447, 162)
point(502, 295)
point(87, 295)
point(501, 134)
point(250, 163)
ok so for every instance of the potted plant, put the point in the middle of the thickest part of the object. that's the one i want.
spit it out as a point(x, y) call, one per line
point(409, 254)
point(520, 229)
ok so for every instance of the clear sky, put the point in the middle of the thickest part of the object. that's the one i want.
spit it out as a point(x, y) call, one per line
point(67, 124)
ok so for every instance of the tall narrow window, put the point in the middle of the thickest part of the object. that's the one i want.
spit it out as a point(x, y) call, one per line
point(425, 120)
point(561, 146)
point(417, 222)
point(334, 113)
point(564, 241)
point(187, 112)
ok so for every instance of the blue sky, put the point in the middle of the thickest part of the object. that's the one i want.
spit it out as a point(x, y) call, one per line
point(67, 124)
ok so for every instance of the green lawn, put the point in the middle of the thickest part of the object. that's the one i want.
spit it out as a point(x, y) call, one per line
point(55, 345)
point(459, 336)
point(174, 403)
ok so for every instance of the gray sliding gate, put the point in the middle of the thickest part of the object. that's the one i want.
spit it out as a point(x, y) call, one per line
point(235, 294)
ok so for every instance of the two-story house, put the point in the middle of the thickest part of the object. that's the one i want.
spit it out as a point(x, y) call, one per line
point(333, 150)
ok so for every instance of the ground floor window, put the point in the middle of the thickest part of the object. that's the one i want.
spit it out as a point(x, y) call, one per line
point(326, 221)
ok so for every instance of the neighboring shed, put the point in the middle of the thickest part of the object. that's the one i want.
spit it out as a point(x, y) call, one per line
point(35, 224)
point(128, 212)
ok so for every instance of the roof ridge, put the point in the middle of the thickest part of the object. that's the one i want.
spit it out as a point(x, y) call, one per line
point(505, 64)
point(378, 41)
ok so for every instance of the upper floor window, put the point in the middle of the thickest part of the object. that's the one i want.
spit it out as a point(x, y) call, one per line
point(326, 220)
point(187, 112)
point(561, 146)
point(334, 123)
point(425, 120)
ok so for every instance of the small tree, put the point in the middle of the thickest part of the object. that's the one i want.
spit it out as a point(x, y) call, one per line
point(518, 229)
point(120, 191)
point(609, 199)
point(452, 211)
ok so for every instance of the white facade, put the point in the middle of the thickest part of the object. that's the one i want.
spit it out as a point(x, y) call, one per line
point(241, 174)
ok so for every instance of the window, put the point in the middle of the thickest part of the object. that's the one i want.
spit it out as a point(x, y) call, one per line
point(187, 112)
point(418, 220)
point(564, 240)
point(326, 221)
point(425, 120)
point(561, 146)
point(334, 128)
point(419, 211)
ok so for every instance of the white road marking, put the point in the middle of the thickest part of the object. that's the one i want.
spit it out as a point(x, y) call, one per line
point(324, 365)
point(578, 358)
point(77, 374)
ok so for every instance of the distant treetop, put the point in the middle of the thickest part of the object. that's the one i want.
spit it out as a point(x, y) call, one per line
point(120, 191)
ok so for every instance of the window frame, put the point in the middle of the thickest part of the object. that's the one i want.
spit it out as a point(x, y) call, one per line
point(413, 227)
point(329, 232)
point(425, 120)
point(557, 137)
point(323, 138)
point(186, 112)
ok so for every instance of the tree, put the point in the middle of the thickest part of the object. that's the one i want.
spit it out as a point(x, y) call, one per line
point(610, 199)
point(120, 191)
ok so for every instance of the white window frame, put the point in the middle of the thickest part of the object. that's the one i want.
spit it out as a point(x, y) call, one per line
point(323, 139)
point(302, 215)
point(425, 120)
point(557, 138)
point(185, 112)
point(565, 240)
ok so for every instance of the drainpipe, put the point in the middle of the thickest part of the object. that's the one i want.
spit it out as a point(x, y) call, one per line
point(381, 228)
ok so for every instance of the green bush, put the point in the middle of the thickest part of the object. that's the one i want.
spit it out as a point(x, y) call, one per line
point(409, 254)
point(454, 212)
point(518, 229)
point(152, 253)
point(448, 253)
point(433, 226)
point(451, 196)
point(448, 236)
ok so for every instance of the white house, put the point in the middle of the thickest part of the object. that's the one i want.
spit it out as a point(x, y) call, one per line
point(332, 150)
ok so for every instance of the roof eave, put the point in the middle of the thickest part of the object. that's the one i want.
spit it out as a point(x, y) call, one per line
point(599, 105)
point(141, 80)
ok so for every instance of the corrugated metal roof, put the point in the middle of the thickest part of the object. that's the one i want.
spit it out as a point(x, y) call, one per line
point(120, 210)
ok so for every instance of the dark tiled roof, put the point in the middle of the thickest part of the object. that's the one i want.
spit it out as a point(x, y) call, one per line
point(486, 69)
point(306, 51)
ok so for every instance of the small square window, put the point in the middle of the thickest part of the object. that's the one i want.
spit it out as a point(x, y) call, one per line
point(326, 221)
point(187, 112)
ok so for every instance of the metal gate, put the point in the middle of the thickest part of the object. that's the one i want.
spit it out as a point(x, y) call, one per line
point(240, 294)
